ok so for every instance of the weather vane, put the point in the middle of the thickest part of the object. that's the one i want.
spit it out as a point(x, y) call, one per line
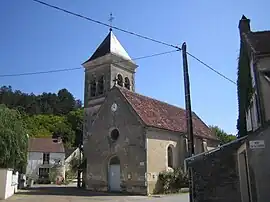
point(111, 20)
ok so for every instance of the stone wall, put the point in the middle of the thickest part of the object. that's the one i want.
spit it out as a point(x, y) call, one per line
point(259, 165)
point(215, 175)
point(129, 147)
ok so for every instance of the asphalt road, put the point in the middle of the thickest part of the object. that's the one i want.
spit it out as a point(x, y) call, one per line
point(68, 194)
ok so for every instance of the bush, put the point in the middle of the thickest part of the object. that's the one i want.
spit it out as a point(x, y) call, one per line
point(171, 181)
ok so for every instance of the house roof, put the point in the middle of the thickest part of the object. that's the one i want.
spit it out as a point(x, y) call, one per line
point(45, 145)
point(110, 45)
point(155, 113)
point(259, 41)
point(69, 151)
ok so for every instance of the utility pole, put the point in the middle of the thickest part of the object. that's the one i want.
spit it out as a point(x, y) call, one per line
point(188, 118)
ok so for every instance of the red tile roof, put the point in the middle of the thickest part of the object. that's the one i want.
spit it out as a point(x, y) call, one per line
point(259, 41)
point(45, 145)
point(155, 113)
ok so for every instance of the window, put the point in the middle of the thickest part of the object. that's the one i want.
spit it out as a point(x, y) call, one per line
point(101, 85)
point(119, 80)
point(114, 134)
point(46, 158)
point(170, 156)
point(44, 172)
point(93, 88)
point(127, 83)
point(257, 109)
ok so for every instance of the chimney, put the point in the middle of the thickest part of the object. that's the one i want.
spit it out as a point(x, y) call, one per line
point(59, 139)
point(244, 25)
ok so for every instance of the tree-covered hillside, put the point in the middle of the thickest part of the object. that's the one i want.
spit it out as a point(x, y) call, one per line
point(48, 114)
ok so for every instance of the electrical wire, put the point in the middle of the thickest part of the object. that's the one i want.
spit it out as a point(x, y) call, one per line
point(135, 34)
point(76, 68)
point(107, 25)
point(211, 68)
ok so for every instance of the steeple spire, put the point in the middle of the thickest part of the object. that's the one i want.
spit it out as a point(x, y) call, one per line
point(111, 20)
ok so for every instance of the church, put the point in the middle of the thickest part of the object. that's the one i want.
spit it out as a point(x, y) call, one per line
point(130, 138)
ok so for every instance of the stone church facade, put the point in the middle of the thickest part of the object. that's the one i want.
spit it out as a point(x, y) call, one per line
point(130, 138)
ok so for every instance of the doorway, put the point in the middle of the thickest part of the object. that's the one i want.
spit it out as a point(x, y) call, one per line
point(114, 174)
point(244, 176)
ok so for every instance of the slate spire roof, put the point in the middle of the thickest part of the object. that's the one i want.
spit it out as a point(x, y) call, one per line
point(158, 114)
point(110, 45)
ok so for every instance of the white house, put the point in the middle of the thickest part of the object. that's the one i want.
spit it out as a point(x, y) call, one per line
point(43, 154)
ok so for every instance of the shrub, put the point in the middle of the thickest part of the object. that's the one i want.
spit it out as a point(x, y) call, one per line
point(171, 181)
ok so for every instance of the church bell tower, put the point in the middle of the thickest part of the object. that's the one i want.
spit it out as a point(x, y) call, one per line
point(109, 65)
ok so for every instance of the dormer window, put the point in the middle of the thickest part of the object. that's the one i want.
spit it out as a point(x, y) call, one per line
point(119, 80)
point(101, 85)
point(127, 83)
point(93, 88)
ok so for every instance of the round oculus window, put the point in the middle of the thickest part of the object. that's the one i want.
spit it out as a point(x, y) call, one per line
point(114, 134)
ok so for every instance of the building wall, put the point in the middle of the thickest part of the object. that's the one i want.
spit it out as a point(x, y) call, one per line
point(215, 175)
point(8, 183)
point(157, 145)
point(157, 142)
point(35, 161)
point(264, 63)
point(259, 166)
point(253, 122)
point(129, 147)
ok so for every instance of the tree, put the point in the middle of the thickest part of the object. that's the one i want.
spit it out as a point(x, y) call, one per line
point(13, 139)
point(75, 118)
point(47, 103)
point(66, 102)
point(47, 114)
point(222, 135)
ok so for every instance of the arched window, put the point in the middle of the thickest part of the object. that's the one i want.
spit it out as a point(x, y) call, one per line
point(93, 88)
point(127, 83)
point(101, 85)
point(170, 156)
point(119, 80)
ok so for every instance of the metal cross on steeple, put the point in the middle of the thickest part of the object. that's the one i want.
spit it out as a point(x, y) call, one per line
point(111, 20)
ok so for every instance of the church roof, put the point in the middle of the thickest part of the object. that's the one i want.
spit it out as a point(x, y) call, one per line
point(158, 114)
point(110, 45)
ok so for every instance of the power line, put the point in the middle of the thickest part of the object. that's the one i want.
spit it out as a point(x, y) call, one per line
point(107, 25)
point(212, 69)
point(71, 69)
point(134, 34)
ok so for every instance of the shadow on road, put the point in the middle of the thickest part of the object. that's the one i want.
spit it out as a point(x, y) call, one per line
point(66, 191)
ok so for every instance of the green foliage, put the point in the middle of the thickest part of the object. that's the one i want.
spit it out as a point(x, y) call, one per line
point(75, 118)
point(171, 181)
point(74, 164)
point(69, 176)
point(244, 89)
point(55, 174)
point(13, 139)
point(222, 135)
point(48, 114)
point(47, 103)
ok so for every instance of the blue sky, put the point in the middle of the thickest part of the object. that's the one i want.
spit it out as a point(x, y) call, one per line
point(38, 38)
